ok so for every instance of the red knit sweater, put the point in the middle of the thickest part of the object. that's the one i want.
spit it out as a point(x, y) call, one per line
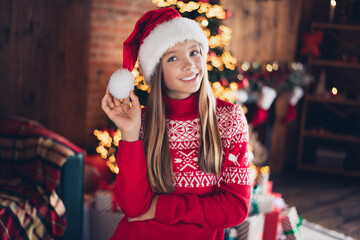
point(202, 205)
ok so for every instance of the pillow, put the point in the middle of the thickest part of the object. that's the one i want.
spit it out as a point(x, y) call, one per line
point(32, 152)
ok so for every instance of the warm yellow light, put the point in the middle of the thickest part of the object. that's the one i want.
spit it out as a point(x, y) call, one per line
point(244, 108)
point(162, 3)
point(333, 3)
point(216, 85)
point(245, 66)
point(234, 86)
point(269, 67)
point(205, 23)
point(275, 66)
point(334, 91)
point(207, 32)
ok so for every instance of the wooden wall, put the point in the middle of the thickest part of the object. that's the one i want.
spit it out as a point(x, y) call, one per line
point(264, 30)
point(43, 63)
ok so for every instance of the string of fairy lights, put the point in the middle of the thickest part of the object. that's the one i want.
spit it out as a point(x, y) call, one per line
point(108, 142)
point(202, 7)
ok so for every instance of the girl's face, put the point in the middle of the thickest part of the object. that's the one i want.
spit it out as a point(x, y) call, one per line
point(183, 69)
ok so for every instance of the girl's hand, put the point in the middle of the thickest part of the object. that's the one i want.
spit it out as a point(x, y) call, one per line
point(127, 118)
point(149, 214)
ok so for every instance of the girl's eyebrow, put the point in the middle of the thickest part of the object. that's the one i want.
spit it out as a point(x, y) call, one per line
point(172, 52)
point(169, 53)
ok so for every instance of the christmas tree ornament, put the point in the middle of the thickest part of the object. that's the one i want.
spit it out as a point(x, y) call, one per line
point(263, 103)
point(224, 82)
point(311, 43)
point(294, 96)
point(244, 83)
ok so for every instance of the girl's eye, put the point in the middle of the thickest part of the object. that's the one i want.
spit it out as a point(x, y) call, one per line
point(172, 59)
point(194, 53)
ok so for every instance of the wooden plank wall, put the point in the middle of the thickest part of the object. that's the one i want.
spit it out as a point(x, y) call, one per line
point(264, 30)
point(43, 63)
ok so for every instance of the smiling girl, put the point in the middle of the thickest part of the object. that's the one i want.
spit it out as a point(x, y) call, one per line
point(183, 162)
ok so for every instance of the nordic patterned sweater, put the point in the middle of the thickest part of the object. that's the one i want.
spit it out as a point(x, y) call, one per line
point(202, 205)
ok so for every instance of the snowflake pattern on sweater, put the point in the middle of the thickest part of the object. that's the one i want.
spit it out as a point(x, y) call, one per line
point(184, 139)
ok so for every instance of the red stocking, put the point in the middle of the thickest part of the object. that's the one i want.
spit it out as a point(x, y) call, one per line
point(266, 98)
point(294, 97)
point(290, 115)
point(259, 117)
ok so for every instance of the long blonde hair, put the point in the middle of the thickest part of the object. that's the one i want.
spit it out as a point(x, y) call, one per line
point(156, 141)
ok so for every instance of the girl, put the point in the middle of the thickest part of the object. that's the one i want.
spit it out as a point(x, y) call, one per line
point(183, 165)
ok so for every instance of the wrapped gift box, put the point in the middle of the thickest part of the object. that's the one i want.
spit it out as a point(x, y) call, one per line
point(269, 187)
point(261, 203)
point(262, 178)
point(104, 200)
point(291, 224)
point(271, 225)
point(251, 229)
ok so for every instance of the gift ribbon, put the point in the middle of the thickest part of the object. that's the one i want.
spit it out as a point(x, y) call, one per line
point(257, 189)
point(254, 205)
point(292, 231)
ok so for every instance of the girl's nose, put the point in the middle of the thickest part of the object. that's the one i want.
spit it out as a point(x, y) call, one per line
point(188, 64)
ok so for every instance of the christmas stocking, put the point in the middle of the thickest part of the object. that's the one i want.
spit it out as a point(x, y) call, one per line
point(263, 103)
point(294, 97)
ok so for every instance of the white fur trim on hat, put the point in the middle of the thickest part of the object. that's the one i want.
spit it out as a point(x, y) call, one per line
point(121, 83)
point(165, 36)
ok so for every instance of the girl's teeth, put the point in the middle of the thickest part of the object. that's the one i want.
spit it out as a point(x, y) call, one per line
point(189, 78)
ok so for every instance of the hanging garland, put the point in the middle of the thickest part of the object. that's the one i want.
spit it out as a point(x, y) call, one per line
point(279, 76)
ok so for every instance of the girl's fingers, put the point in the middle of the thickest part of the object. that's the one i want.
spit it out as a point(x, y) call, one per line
point(126, 101)
point(106, 102)
point(126, 104)
point(116, 101)
point(134, 100)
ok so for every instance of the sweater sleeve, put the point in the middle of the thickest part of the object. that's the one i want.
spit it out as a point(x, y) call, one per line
point(229, 206)
point(132, 190)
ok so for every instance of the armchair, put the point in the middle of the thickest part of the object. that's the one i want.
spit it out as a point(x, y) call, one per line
point(41, 182)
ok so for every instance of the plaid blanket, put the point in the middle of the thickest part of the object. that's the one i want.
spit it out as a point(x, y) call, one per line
point(31, 157)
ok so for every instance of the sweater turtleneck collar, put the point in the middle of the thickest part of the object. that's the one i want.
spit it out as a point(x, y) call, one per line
point(188, 106)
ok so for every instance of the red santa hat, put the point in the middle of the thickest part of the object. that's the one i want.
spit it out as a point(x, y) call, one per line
point(154, 33)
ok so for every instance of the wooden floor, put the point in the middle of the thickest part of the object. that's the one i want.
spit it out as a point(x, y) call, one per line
point(330, 201)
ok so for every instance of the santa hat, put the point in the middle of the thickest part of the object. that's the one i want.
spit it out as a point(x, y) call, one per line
point(154, 33)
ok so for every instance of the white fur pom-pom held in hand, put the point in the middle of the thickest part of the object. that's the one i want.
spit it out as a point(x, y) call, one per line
point(121, 83)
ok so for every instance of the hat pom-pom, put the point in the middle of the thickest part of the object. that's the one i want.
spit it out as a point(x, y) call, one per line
point(121, 83)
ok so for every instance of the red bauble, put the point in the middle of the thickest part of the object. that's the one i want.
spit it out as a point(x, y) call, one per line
point(243, 83)
point(227, 14)
point(212, 53)
point(224, 82)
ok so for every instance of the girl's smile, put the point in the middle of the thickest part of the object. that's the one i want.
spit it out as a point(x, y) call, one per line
point(191, 78)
